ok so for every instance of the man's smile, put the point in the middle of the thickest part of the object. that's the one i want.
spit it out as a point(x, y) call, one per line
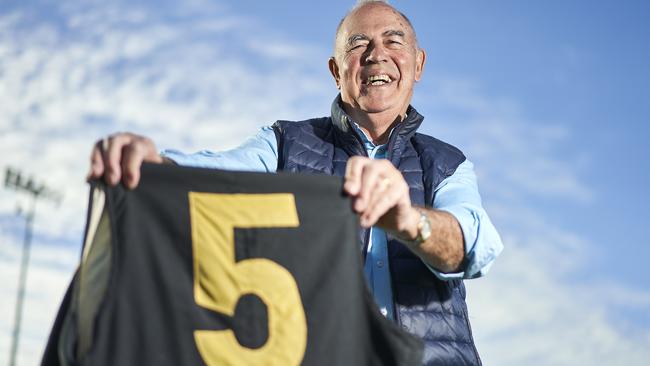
point(377, 80)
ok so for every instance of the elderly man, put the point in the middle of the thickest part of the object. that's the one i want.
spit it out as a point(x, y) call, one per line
point(416, 196)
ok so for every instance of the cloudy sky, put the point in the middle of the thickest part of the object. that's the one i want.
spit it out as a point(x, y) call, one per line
point(549, 99)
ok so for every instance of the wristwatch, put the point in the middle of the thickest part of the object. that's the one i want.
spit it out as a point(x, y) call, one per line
point(424, 230)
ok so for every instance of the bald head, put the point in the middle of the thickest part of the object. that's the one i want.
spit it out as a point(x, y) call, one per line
point(364, 3)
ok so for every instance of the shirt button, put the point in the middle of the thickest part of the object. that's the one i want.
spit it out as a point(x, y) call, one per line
point(380, 264)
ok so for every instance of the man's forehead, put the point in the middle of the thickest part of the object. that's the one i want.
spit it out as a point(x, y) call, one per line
point(374, 17)
point(353, 37)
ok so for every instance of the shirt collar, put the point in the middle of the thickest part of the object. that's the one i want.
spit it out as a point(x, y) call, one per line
point(367, 142)
point(352, 140)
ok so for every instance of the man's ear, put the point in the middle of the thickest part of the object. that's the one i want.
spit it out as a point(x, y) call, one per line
point(334, 70)
point(420, 59)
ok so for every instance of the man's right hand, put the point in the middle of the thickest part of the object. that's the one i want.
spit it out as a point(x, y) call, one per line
point(119, 157)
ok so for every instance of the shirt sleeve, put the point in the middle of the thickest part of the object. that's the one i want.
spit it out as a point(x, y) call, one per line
point(458, 195)
point(259, 153)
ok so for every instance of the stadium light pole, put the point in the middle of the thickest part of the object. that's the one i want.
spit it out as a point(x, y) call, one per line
point(14, 179)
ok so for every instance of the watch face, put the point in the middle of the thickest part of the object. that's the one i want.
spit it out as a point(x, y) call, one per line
point(425, 232)
point(424, 228)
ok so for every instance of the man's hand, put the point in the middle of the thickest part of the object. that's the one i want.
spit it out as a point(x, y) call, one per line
point(380, 196)
point(119, 158)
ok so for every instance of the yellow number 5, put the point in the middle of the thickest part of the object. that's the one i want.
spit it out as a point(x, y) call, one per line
point(219, 281)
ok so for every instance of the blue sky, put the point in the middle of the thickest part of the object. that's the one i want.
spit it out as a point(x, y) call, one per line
point(548, 99)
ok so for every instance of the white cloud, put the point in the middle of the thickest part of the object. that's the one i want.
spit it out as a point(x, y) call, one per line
point(111, 69)
point(525, 313)
point(497, 134)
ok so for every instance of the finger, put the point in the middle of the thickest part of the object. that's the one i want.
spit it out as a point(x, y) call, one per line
point(372, 181)
point(386, 196)
point(132, 158)
point(139, 150)
point(378, 209)
point(353, 170)
point(96, 168)
point(112, 157)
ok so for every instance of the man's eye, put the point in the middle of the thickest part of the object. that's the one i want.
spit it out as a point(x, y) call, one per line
point(392, 44)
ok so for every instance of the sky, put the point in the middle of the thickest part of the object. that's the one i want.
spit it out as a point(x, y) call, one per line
point(548, 99)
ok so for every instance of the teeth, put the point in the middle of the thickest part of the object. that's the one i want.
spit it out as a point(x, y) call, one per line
point(379, 79)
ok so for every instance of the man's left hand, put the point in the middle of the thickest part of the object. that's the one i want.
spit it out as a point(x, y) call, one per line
point(380, 196)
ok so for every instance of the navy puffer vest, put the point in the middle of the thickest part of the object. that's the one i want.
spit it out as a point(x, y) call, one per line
point(430, 308)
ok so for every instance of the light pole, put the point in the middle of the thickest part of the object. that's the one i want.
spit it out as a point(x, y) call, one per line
point(14, 179)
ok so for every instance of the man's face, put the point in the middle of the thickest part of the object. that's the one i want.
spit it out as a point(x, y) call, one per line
point(376, 60)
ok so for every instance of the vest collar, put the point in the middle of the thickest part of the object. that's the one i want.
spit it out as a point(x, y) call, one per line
point(352, 143)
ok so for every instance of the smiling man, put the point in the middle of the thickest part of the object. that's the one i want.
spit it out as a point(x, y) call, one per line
point(376, 63)
point(416, 196)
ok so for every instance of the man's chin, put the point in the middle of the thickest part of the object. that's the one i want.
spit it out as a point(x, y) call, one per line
point(376, 107)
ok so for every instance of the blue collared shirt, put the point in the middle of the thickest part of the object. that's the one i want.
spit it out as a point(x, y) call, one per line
point(457, 194)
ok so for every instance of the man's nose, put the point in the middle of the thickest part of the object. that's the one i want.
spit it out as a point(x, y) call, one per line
point(376, 53)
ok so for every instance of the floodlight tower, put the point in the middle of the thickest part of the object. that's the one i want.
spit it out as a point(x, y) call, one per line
point(14, 179)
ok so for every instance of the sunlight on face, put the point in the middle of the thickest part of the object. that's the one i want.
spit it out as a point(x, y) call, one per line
point(377, 61)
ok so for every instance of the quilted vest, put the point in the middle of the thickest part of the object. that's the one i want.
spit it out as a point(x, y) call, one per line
point(426, 306)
